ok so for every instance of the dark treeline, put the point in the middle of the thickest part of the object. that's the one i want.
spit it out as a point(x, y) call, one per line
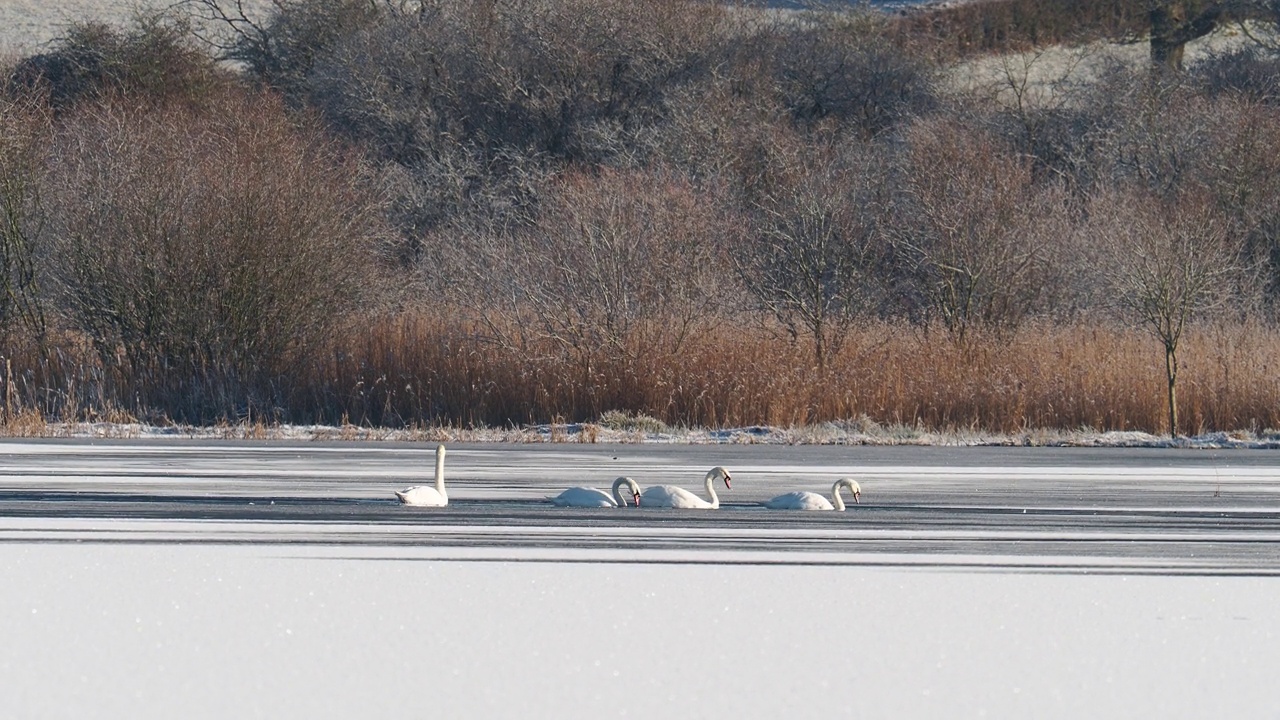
point(406, 213)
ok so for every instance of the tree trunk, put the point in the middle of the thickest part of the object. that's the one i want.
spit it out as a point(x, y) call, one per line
point(1171, 373)
point(1166, 48)
point(820, 345)
point(1176, 23)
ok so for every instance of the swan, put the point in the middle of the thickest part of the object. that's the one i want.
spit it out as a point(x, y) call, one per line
point(591, 497)
point(670, 496)
point(425, 495)
point(813, 501)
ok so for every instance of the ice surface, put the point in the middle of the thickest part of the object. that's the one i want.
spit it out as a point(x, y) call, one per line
point(196, 631)
point(196, 579)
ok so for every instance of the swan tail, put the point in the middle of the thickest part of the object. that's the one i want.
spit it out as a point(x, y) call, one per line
point(401, 496)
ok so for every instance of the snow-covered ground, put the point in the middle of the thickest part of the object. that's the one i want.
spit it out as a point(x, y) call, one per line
point(161, 577)
point(248, 631)
point(863, 432)
point(28, 26)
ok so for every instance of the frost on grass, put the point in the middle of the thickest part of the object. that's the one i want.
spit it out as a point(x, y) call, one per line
point(642, 429)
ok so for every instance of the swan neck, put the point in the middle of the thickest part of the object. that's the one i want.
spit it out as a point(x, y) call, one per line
point(711, 489)
point(836, 500)
point(617, 490)
point(440, 471)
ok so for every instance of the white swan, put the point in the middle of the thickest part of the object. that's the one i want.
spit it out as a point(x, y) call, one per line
point(591, 497)
point(804, 500)
point(425, 495)
point(670, 496)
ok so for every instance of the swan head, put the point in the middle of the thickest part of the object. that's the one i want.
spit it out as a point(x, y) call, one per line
point(719, 473)
point(854, 488)
point(631, 485)
point(635, 489)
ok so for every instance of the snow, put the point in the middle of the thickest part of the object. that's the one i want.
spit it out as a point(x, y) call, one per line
point(162, 577)
point(862, 433)
point(158, 631)
point(28, 26)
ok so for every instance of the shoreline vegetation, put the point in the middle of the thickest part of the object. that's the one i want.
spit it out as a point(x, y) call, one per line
point(889, 384)
point(658, 223)
point(634, 432)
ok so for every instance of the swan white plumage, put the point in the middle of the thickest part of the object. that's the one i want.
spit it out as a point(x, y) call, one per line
point(670, 496)
point(591, 497)
point(805, 500)
point(425, 495)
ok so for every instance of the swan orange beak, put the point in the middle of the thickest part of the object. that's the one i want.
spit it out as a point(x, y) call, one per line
point(856, 498)
point(637, 499)
point(727, 484)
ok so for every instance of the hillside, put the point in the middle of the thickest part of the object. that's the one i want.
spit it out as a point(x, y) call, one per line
point(27, 26)
point(562, 211)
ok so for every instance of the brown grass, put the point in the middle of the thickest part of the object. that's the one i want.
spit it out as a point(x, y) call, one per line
point(417, 371)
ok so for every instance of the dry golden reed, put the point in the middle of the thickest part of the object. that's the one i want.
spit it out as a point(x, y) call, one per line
point(419, 371)
point(1045, 376)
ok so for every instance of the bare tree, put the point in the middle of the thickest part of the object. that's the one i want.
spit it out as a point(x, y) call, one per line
point(972, 230)
point(1174, 23)
point(812, 253)
point(1170, 263)
point(25, 131)
point(1242, 176)
point(1178, 141)
point(616, 263)
point(278, 41)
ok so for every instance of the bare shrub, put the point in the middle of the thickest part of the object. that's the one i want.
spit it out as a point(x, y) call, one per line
point(814, 255)
point(1250, 71)
point(541, 76)
point(840, 67)
point(1172, 139)
point(155, 58)
point(281, 49)
point(633, 422)
point(618, 268)
point(1150, 132)
point(25, 131)
point(205, 254)
point(979, 27)
point(473, 104)
point(972, 231)
point(1241, 175)
point(612, 254)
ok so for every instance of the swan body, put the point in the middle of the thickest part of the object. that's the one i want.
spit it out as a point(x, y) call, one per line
point(670, 496)
point(426, 495)
point(813, 501)
point(591, 497)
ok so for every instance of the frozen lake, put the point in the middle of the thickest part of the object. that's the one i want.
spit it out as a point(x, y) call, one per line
point(165, 578)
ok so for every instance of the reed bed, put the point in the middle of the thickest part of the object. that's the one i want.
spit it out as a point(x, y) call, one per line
point(423, 369)
point(420, 370)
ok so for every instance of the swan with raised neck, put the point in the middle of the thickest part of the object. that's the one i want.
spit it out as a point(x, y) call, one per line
point(426, 495)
